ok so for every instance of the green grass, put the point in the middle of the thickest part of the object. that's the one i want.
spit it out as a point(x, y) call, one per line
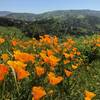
point(88, 75)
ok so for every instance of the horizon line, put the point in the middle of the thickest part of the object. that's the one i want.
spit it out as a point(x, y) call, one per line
point(46, 11)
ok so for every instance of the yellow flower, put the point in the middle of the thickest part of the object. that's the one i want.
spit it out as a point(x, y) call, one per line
point(67, 55)
point(16, 64)
point(5, 57)
point(43, 54)
point(74, 66)
point(53, 60)
point(23, 57)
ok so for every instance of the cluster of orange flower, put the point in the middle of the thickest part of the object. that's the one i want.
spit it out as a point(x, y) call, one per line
point(95, 41)
point(46, 56)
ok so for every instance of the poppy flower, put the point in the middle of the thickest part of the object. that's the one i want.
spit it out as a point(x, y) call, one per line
point(23, 57)
point(14, 42)
point(38, 92)
point(89, 95)
point(5, 57)
point(39, 70)
point(53, 79)
point(3, 71)
point(2, 40)
point(68, 73)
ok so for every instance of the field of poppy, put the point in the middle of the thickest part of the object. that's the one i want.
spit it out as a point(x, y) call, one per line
point(50, 68)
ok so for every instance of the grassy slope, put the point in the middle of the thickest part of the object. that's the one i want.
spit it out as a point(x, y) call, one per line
point(89, 73)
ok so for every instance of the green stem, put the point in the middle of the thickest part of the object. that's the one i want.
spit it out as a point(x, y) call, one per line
point(15, 80)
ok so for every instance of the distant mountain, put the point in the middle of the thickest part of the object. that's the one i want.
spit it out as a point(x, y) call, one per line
point(60, 14)
point(22, 16)
point(54, 22)
point(4, 13)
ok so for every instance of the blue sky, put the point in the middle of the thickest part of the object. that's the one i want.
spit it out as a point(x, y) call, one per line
point(40, 6)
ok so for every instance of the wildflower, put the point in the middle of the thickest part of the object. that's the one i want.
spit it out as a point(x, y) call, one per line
point(23, 57)
point(98, 45)
point(53, 60)
point(43, 54)
point(78, 53)
point(49, 52)
point(21, 73)
point(38, 92)
point(55, 40)
point(5, 57)
point(14, 42)
point(16, 64)
point(74, 49)
point(39, 70)
point(66, 61)
point(2, 40)
point(89, 95)
point(53, 79)
point(68, 73)
point(3, 71)
point(71, 55)
point(70, 41)
point(74, 66)
point(66, 55)
point(19, 68)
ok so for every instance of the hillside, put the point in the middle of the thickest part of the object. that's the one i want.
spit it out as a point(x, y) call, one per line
point(55, 22)
point(4, 13)
point(51, 14)
point(55, 14)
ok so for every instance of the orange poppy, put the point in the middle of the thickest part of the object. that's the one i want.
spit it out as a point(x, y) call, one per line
point(39, 70)
point(53, 60)
point(5, 57)
point(98, 45)
point(68, 73)
point(19, 68)
point(74, 49)
point(53, 79)
point(87, 98)
point(21, 73)
point(66, 61)
point(3, 71)
point(23, 57)
point(14, 42)
point(16, 64)
point(89, 95)
point(78, 53)
point(38, 92)
point(2, 40)
point(67, 55)
point(49, 52)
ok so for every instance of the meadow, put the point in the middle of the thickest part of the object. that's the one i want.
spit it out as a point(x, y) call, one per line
point(51, 68)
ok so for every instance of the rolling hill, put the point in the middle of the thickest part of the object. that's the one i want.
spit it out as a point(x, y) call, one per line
point(61, 14)
point(54, 22)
